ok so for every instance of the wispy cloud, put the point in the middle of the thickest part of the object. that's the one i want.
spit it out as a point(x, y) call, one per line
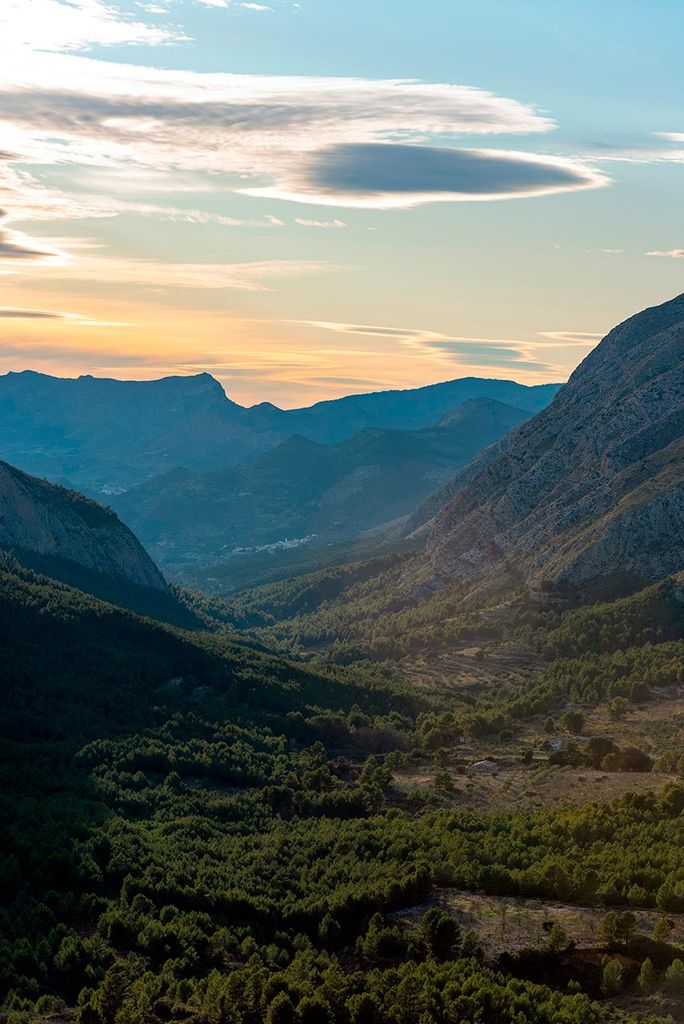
point(76, 25)
point(16, 246)
point(675, 254)
point(342, 140)
point(31, 200)
point(255, 276)
point(484, 353)
point(671, 136)
point(17, 313)
point(335, 224)
point(652, 151)
point(579, 338)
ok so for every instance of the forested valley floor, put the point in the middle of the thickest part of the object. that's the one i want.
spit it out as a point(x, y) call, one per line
point(200, 831)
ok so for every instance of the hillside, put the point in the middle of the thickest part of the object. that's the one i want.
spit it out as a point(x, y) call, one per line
point(188, 823)
point(588, 491)
point(305, 493)
point(101, 435)
point(49, 521)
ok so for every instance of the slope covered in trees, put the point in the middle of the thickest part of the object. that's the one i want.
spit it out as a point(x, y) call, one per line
point(197, 831)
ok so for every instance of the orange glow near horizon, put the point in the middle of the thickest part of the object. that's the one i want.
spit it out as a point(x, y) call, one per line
point(256, 360)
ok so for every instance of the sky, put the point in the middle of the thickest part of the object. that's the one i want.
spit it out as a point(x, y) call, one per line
point(325, 197)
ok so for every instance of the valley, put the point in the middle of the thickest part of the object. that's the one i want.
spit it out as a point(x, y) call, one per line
point(307, 494)
point(437, 776)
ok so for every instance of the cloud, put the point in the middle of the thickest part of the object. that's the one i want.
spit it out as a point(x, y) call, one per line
point(362, 329)
point(18, 250)
point(486, 352)
point(671, 136)
point(675, 254)
point(15, 246)
point(396, 175)
point(87, 206)
point(12, 313)
point(579, 338)
point(76, 25)
point(260, 131)
point(386, 143)
point(17, 313)
point(255, 276)
point(351, 382)
point(337, 223)
point(480, 352)
point(645, 153)
point(32, 200)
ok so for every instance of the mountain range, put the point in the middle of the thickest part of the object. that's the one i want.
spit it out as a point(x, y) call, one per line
point(306, 493)
point(589, 489)
point(102, 436)
point(582, 502)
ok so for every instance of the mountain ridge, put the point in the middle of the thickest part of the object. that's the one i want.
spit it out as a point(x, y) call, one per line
point(304, 491)
point(102, 435)
point(564, 498)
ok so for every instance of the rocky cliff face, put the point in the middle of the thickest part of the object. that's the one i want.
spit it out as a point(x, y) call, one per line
point(38, 517)
point(591, 487)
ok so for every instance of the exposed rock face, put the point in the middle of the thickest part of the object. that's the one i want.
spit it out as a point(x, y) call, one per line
point(38, 517)
point(591, 487)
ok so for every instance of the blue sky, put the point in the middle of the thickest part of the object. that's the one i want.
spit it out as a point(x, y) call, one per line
point(309, 199)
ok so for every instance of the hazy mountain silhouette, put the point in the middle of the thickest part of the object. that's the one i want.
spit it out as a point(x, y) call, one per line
point(304, 491)
point(100, 435)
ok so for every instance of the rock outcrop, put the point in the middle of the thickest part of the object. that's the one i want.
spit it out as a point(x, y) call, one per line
point(38, 517)
point(591, 488)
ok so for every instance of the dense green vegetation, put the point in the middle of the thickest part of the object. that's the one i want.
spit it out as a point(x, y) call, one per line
point(202, 832)
point(363, 610)
point(648, 617)
point(358, 611)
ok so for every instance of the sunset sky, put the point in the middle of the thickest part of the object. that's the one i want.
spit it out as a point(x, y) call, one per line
point(318, 198)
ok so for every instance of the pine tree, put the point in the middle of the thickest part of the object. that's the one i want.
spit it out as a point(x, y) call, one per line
point(674, 977)
point(648, 977)
point(611, 978)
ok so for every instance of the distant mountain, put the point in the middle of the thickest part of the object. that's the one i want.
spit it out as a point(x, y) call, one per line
point(306, 492)
point(97, 434)
point(45, 525)
point(589, 491)
point(413, 409)
point(102, 435)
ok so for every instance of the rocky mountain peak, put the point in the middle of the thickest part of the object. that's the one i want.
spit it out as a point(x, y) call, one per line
point(592, 486)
